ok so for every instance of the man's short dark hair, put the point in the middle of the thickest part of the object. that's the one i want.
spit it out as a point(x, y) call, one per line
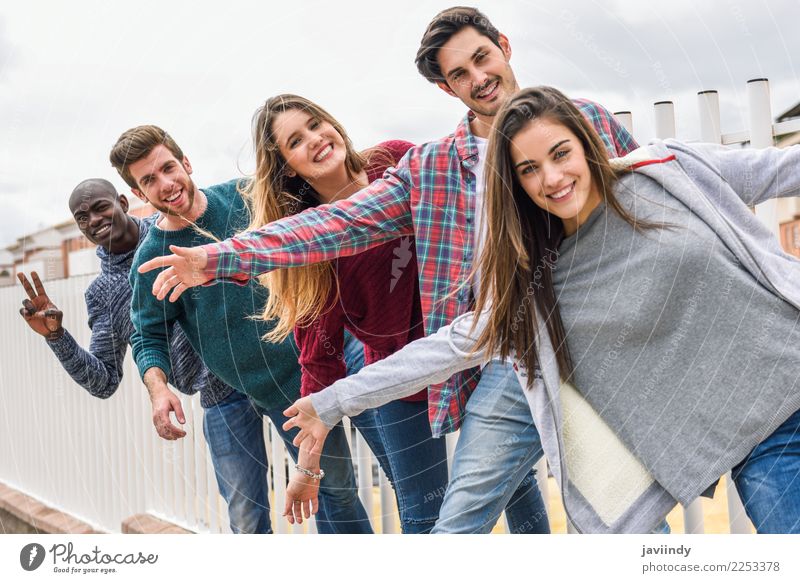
point(441, 29)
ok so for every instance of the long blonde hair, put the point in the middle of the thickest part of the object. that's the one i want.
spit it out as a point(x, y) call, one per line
point(297, 295)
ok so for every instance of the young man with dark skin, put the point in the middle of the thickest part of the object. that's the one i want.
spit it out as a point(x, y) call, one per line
point(218, 320)
point(101, 215)
point(436, 194)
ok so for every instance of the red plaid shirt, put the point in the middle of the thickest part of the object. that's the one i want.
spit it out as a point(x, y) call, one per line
point(430, 195)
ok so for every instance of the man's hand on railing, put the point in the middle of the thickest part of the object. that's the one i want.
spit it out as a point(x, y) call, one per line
point(164, 402)
point(184, 269)
point(303, 490)
point(39, 312)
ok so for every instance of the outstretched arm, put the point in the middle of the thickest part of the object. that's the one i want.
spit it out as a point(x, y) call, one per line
point(376, 214)
point(755, 174)
point(99, 369)
point(426, 361)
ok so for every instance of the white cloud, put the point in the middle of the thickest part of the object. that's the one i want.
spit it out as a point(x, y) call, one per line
point(75, 75)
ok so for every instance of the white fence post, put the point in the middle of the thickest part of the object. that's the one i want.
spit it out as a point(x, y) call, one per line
point(363, 455)
point(737, 518)
point(693, 518)
point(541, 480)
point(708, 107)
point(665, 119)
point(388, 522)
point(626, 119)
point(278, 463)
point(451, 440)
point(710, 131)
point(760, 118)
point(665, 128)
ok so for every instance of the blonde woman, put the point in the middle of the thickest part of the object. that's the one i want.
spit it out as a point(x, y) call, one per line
point(304, 158)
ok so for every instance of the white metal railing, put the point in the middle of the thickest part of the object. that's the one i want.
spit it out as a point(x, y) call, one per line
point(102, 460)
point(99, 460)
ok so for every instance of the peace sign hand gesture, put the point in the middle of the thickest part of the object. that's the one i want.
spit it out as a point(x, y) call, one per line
point(39, 312)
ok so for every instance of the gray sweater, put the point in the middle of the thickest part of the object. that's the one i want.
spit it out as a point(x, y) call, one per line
point(675, 345)
point(723, 181)
point(108, 303)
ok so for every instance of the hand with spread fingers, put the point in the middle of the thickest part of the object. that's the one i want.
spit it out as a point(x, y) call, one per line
point(303, 489)
point(313, 431)
point(184, 269)
point(39, 312)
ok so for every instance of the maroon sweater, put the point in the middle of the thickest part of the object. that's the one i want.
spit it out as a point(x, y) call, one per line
point(378, 302)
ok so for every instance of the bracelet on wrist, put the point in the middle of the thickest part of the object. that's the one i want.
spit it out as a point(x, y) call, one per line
point(309, 473)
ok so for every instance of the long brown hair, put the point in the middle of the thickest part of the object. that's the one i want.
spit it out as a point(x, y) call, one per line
point(522, 239)
point(298, 295)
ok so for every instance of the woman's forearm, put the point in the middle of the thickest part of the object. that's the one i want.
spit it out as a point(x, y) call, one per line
point(427, 361)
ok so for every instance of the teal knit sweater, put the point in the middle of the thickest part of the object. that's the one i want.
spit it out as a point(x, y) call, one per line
point(216, 319)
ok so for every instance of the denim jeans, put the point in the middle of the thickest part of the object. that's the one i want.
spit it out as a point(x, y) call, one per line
point(235, 438)
point(415, 463)
point(418, 463)
point(366, 422)
point(768, 480)
point(234, 431)
point(492, 467)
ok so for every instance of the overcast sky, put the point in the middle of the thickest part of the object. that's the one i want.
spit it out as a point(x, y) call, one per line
point(74, 75)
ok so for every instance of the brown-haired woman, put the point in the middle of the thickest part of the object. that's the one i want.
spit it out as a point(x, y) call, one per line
point(655, 293)
point(304, 158)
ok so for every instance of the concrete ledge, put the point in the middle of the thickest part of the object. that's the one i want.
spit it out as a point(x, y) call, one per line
point(22, 514)
point(149, 524)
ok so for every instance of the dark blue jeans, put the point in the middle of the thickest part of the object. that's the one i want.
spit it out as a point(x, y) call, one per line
point(768, 480)
point(415, 463)
point(234, 431)
point(418, 463)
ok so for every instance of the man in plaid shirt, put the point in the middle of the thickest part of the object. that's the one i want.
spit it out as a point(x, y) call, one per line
point(435, 193)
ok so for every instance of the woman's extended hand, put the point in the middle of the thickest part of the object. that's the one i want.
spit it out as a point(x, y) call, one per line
point(303, 416)
point(303, 490)
point(184, 269)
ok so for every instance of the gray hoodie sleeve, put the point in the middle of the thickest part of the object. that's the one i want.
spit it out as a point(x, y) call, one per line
point(755, 174)
point(427, 361)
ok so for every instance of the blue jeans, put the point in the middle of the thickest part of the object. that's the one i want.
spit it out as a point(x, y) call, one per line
point(340, 509)
point(418, 463)
point(415, 463)
point(494, 457)
point(234, 432)
point(768, 480)
point(235, 438)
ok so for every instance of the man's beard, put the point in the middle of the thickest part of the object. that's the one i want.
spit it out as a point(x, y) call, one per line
point(505, 85)
point(190, 195)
